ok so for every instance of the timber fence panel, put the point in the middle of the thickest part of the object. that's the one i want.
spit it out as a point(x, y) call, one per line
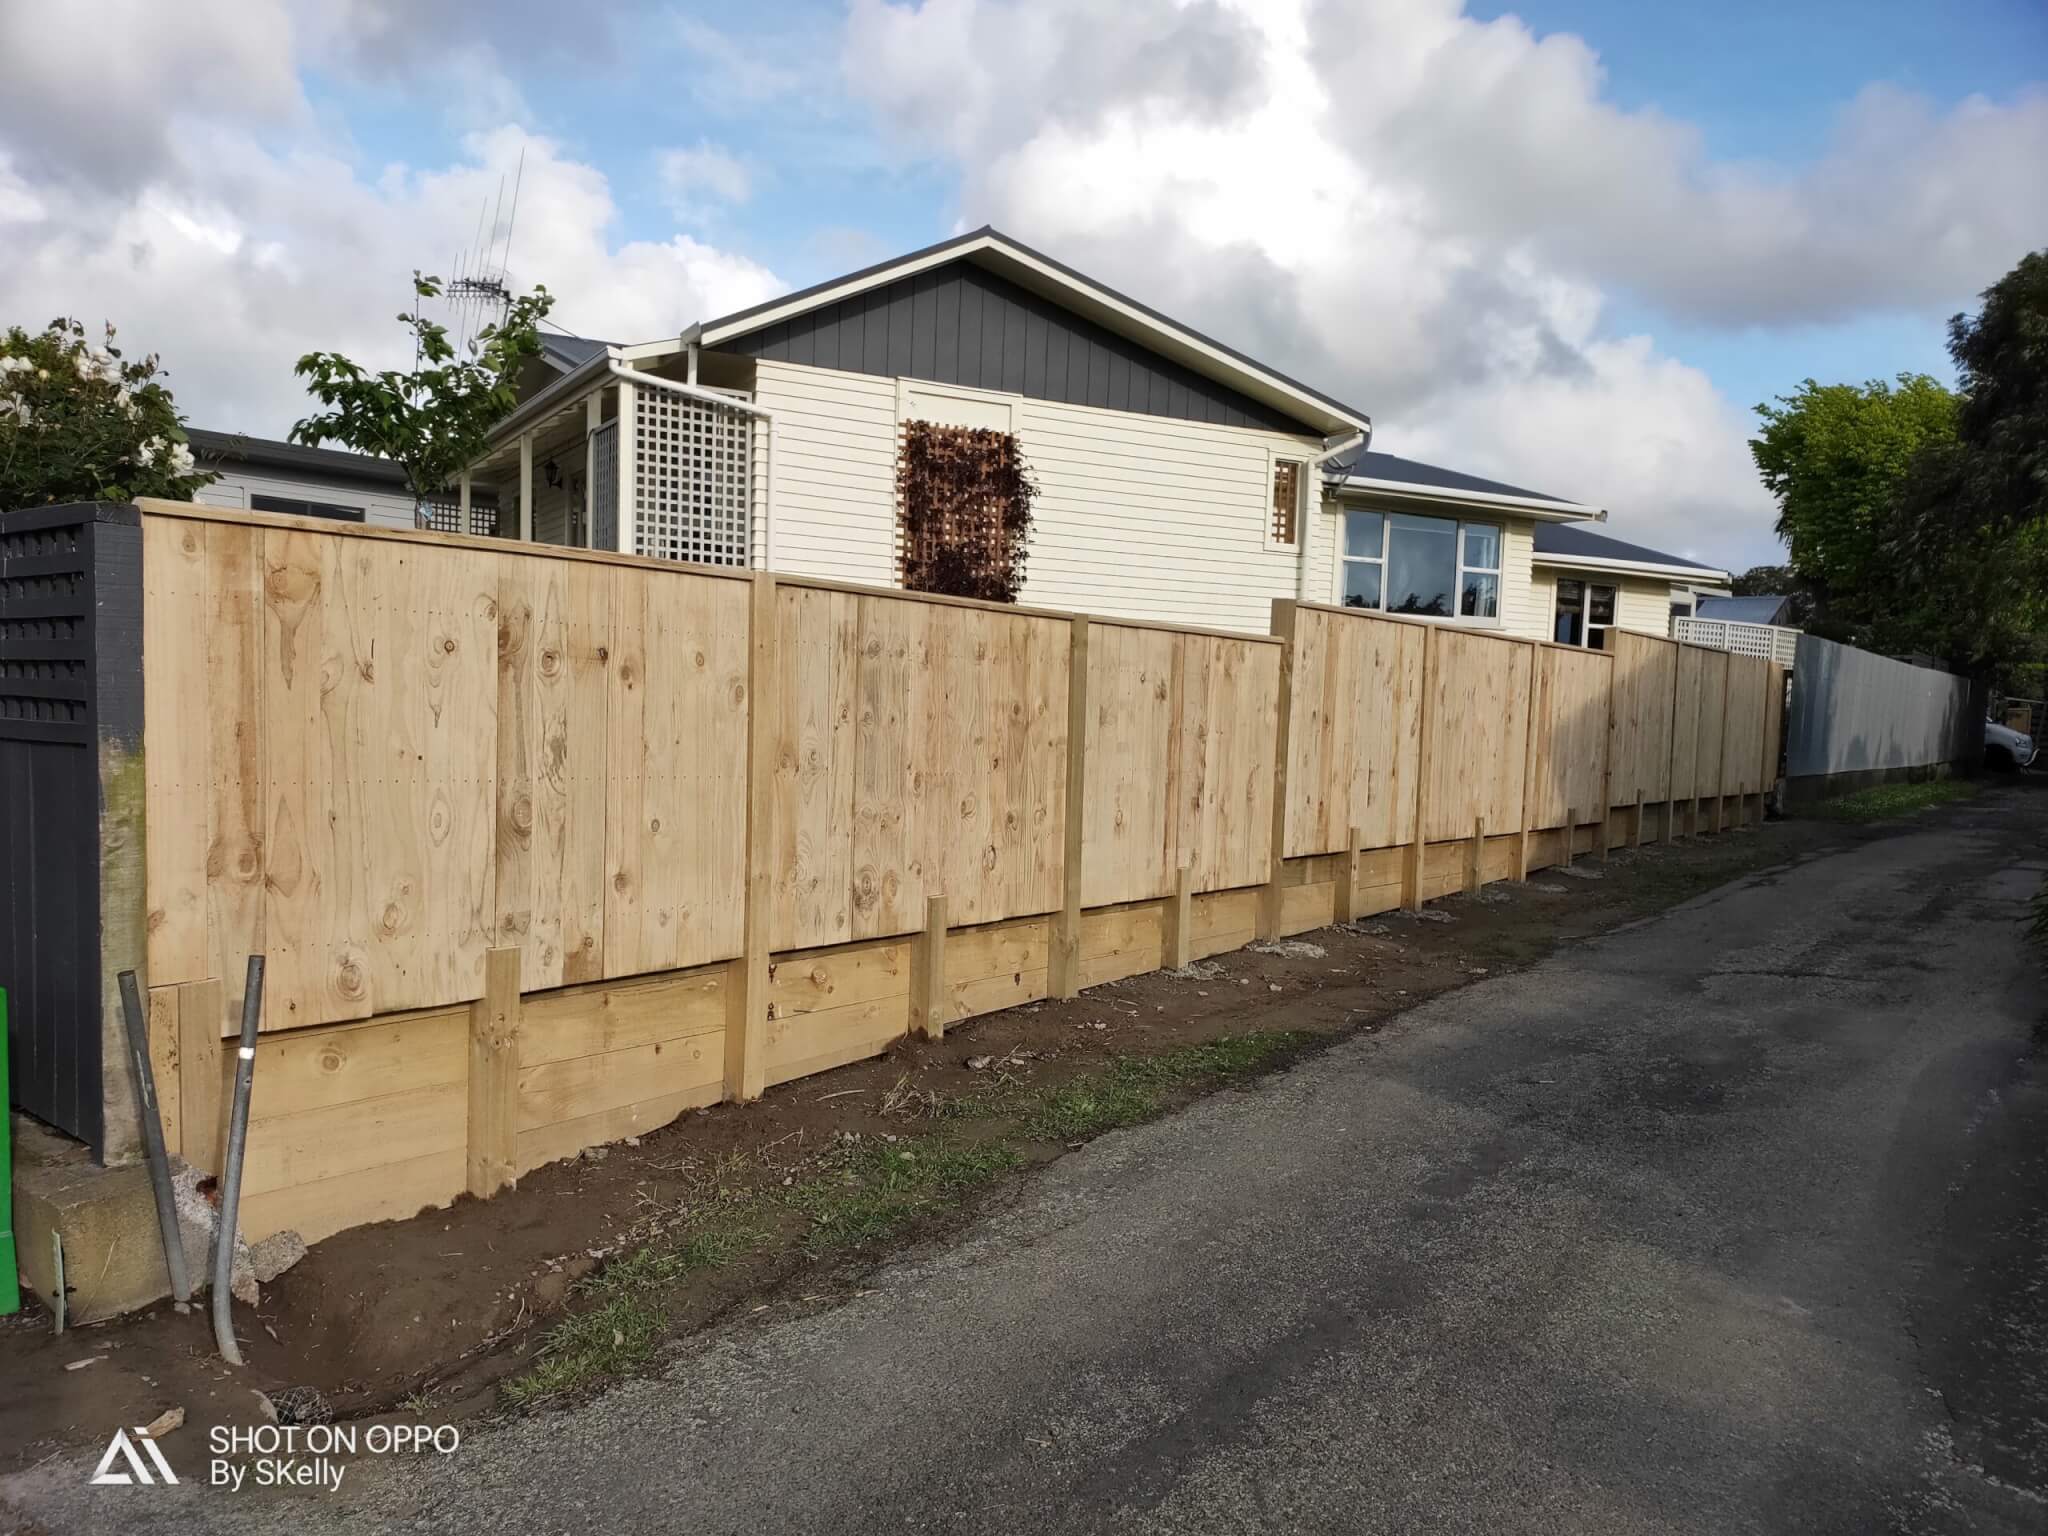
point(1713, 716)
point(1476, 718)
point(1570, 719)
point(1742, 735)
point(1685, 721)
point(1645, 672)
point(1355, 730)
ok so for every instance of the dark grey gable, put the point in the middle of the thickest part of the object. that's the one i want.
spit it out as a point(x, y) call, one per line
point(961, 324)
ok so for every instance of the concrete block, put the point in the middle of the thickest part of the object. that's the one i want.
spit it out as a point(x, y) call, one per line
point(106, 1218)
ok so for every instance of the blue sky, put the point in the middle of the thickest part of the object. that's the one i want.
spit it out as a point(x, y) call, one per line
point(1568, 244)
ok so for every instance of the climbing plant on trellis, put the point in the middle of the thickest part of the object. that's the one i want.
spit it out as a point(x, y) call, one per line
point(964, 501)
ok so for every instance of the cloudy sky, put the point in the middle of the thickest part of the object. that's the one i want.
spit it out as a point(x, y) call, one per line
point(1569, 245)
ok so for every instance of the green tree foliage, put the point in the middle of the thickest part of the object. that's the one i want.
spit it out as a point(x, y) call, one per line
point(1835, 457)
point(80, 422)
point(433, 420)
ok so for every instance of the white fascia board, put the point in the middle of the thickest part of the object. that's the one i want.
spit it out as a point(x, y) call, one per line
point(1692, 573)
point(1083, 298)
point(1406, 490)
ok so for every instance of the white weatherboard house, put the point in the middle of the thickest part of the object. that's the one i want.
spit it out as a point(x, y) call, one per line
point(260, 474)
point(1178, 480)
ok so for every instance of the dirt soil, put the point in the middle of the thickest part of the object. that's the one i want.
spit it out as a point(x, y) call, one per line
point(425, 1317)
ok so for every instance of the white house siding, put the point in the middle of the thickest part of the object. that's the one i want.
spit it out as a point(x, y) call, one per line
point(1137, 516)
point(236, 487)
point(1525, 590)
point(835, 471)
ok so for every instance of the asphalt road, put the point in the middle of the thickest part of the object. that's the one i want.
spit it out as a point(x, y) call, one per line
point(1733, 1220)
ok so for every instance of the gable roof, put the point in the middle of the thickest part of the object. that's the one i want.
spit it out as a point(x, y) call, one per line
point(1387, 474)
point(568, 352)
point(1744, 610)
point(1045, 279)
point(216, 450)
point(1569, 546)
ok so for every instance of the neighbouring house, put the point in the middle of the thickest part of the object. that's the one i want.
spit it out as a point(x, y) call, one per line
point(1748, 610)
point(1176, 479)
point(1586, 583)
point(259, 474)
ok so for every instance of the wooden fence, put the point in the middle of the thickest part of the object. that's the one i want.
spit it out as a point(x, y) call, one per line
point(547, 846)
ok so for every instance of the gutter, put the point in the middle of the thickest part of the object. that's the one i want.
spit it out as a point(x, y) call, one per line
point(1312, 517)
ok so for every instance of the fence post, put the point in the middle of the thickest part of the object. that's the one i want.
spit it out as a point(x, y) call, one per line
point(202, 1013)
point(1063, 966)
point(1571, 831)
point(493, 1161)
point(1636, 841)
point(1411, 863)
point(1177, 946)
point(928, 973)
point(1475, 856)
point(1528, 811)
point(1347, 879)
point(1272, 898)
point(746, 982)
point(1607, 765)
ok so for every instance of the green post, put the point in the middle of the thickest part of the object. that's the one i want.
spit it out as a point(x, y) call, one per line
point(10, 1288)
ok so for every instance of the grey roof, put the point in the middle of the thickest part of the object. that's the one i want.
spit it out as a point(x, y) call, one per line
point(1569, 539)
point(567, 352)
point(1387, 466)
point(990, 232)
point(216, 449)
point(1742, 610)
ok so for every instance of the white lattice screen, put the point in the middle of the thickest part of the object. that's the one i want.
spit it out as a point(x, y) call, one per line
point(1771, 641)
point(692, 479)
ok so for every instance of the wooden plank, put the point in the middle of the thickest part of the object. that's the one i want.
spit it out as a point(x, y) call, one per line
point(1411, 883)
point(165, 1044)
point(305, 1069)
point(747, 987)
point(1286, 627)
point(1064, 962)
point(493, 1153)
point(1474, 855)
point(177, 721)
point(928, 996)
point(581, 1086)
point(202, 1015)
point(1177, 921)
point(1132, 819)
point(618, 1016)
point(817, 675)
point(385, 1192)
point(239, 757)
point(318, 1144)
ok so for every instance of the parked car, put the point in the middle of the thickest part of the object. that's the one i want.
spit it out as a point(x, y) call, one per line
point(2005, 748)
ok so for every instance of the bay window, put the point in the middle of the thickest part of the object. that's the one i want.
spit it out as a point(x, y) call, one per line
point(1585, 612)
point(1426, 567)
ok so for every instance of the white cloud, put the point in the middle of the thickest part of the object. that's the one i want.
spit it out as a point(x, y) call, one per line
point(220, 229)
point(699, 180)
point(1430, 216)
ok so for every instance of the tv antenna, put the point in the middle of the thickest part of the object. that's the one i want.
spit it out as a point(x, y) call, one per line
point(479, 290)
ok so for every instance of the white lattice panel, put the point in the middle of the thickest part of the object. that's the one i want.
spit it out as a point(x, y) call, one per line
point(1773, 642)
point(692, 479)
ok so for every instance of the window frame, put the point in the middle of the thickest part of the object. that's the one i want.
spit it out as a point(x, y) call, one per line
point(1387, 514)
point(1274, 459)
point(1587, 584)
point(307, 506)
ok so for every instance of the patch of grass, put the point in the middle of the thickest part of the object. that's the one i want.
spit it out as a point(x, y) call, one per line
point(1880, 802)
point(620, 1332)
point(882, 1186)
point(1137, 1087)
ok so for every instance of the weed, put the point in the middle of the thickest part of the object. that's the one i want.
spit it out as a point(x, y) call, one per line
point(1883, 801)
point(881, 1186)
point(1136, 1087)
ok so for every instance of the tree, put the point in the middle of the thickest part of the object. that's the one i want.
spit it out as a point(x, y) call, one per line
point(434, 420)
point(1835, 456)
point(1971, 516)
point(82, 423)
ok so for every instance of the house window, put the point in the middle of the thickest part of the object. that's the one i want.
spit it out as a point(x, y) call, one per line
point(293, 507)
point(1585, 612)
point(1428, 567)
point(1286, 511)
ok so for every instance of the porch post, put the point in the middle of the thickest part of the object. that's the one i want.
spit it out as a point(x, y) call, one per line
point(462, 505)
point(526, 487)
point(593, 420)
point(628, 501)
